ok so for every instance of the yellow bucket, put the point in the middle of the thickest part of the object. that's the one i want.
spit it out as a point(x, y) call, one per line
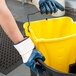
point(56, 39)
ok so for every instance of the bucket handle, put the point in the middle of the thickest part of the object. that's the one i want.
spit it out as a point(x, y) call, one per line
point(29, 19)
point(41, 63)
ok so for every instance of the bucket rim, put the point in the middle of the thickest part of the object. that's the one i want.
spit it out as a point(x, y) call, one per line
point(49, 19)
point(56, 71)
point(53, 39)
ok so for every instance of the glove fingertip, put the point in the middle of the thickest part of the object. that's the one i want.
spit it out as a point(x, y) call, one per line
point(62, 9)
point(59, 6)
point(43, 58)
point(43, 13)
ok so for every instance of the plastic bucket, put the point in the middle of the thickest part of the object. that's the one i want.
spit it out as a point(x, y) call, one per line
point(56, 39)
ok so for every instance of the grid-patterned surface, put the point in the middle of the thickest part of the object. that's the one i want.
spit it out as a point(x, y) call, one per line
point(9, 57)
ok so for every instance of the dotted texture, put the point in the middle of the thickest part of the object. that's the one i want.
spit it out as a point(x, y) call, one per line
point(9, 57)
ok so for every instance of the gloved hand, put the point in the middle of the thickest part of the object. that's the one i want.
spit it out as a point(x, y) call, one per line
point(29, 54)
point(48, 6)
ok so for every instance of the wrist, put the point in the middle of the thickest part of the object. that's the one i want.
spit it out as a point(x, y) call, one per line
point(24, 46)
point(19, 40)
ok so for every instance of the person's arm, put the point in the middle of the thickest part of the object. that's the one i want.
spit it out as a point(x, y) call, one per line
point(24, 46)
point(8, 23)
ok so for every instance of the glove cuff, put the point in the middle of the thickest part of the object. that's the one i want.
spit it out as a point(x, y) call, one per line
point(24, 46)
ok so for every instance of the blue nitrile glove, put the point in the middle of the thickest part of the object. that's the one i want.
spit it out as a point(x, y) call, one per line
point(48, 6)
point(29, 54)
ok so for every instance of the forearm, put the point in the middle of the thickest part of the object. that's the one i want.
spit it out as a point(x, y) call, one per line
point(9, 25)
